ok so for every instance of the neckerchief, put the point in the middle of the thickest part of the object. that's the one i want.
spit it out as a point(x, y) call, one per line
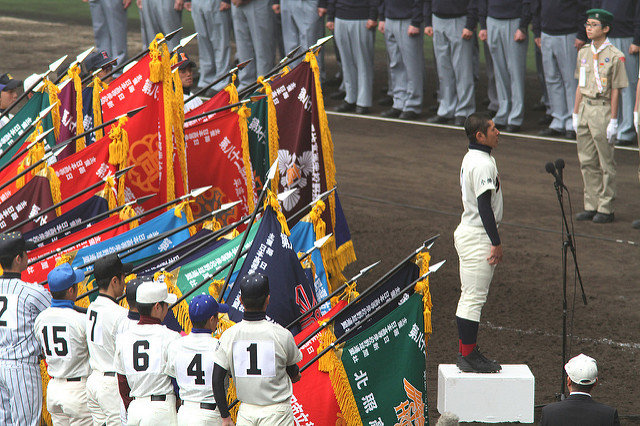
point(595, 62)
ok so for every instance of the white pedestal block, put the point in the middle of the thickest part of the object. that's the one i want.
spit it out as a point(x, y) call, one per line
point(506, 396)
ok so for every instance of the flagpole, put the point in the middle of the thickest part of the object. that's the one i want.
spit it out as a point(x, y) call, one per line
point(316, 245)
point(79, 59)
point(224, 108)
point(359, 275)
point(332, 346)
point(73, 197)
point(233, 70)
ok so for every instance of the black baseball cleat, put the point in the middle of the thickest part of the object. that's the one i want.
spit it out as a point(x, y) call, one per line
point(602, 218)
point(475, 362)
point(586, 215)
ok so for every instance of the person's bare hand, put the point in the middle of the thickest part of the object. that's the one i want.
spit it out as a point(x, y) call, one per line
point(538, 42)
point(381, 26)
point(224, 6)
point(579, 43)
point(330, 25)
point(519, 36)
point(187, 6)
point(428, 31)
point(634, 49)
point(413, 31)
point(495, 255)
point(371, 24)
point(178, 5)
point(467, 34)
point(276, 8)
point(482, 35)
point(322, 11)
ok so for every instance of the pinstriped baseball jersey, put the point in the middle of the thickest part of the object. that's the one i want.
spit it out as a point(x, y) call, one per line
point(103, 318)
point(20, 304)
point(62, 334)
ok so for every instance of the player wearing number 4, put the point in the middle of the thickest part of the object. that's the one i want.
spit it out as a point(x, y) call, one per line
point(20, 304)
point(103, 319)
point(261, 357)
point(191, 363)
point(61, 332)
point(141, 360)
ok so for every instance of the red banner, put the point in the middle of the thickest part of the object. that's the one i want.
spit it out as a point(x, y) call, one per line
point(218, 101)
point(30, 200)
point(10, 171)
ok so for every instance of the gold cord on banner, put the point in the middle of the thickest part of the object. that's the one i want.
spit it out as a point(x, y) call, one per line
point(119, 153)
point(52, 90)
point(96, 105)
point(422, 287)
point(274, 135)
point(271, 200)
point(243, 115)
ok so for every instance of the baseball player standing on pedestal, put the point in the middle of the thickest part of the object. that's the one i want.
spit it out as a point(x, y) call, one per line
point(61, 331)
point(191, 363)
point(261, 357)
point(141, 360)
point(20, 304)
point(476, 238)
point(103, 318)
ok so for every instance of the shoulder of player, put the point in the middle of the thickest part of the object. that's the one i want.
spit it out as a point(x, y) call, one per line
point(585, 50)
point(613, 51)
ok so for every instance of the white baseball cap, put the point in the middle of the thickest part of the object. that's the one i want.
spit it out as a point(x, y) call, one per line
point(151, 292)
point(582, 369)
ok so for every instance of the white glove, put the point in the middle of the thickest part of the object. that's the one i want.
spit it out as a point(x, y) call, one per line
point(635, 120)
point(612, 130)
point(574, 119)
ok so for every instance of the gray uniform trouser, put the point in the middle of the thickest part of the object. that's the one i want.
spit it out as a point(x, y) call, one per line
point(213, 27)
point(355, 43)
point(492, 93)
point(559, 57)
point(301, 26)
point(509, 65)
point(544, 99)
point(109, 21)
point(455, 67)
point(159, 16)
point(253, 26)
point(626, 132)
point(406, 65)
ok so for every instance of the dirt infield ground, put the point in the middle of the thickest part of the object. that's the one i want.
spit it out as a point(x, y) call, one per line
point(398, 183)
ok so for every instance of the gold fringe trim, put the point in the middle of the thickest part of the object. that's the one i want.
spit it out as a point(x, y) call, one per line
point(274, 135)
point(53, 91)
point(349, 294)
point(271, 200)
point(96, 105)
point(231, 397)
point(178, 125)
point(46, 416)
point(181, 311)
point(35, 154)
point(109, 192)
point(74, 73)
point(169, 121)
point(212, 225)
point(155, 66)
point(342, 388)
point(325, 339)
point(243, 114)
point(54, 184)
point(422, 287)
point(127, 213)
point(232, 90)
point(215, 287)
point(184, 206)
point(83, 287)
point(119, 153)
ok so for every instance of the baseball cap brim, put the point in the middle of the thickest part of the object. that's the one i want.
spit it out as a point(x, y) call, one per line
point(223, 308)
point(127, 268)
point(13, 84)
point(29, 245)
point(78, 276)
point(171, 299)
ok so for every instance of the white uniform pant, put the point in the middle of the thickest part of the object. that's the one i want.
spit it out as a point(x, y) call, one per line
point(265, 415)
point(191, 414)
point(67, 402)
point(103, 399)
point(20, 393)
point(144, 412)
point(473, 247)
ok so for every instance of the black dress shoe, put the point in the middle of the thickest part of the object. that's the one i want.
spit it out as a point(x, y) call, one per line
point(586, 215)
point(362, 110)
point(512, 128)
point(346, 107)
point(391, 113)
point(338, 95)
point(409, 115)
point(546, 120)
point(620, 142)
point(635, 224)
point(550, 132)
point(459, 121)
point(539, 106)
point(570, 134)
point(603, 218)
point(492, 113)
point(438, 119)
point(385, 101)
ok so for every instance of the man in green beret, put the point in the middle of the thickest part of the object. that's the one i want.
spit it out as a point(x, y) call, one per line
point(601, 74)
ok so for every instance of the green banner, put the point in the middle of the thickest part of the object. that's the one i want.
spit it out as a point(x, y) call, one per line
point(258, 133)
point(21, 121)
point(386, 366)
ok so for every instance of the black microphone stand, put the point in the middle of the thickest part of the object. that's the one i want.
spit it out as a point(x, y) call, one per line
point(567, 244)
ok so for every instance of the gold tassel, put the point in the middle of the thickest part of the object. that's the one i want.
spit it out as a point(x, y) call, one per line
point(169, 120)
point(119, 153)
point(155, 66)
point(272, 200)
point(215, 287)
point(127, 213)
point(224, 323)
point(74, 74)
point(274, 135)
point(181, 312)
point(54, 184)
point(231, 397)
point(212, 225)
point(53, 91)
point(178, 126)
point(422, 287)
point(109, 192)
point(326, 338)
point(46, 416)
point(341, 387)
point(232, 90)
point(82, 289)
point(184, 206)
point(243, 114)
point(98, 87)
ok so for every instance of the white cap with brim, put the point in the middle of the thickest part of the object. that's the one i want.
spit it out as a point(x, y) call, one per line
point(582, 369)
point(151, 292)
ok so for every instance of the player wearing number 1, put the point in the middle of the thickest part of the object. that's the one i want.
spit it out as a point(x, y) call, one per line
point(20, 304)
point(191, 363)
point(61, 331)
point(261, 357)
point(141, 360)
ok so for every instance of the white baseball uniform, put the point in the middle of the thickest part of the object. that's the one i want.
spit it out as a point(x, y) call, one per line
point(103, 318)
point(141, 356)
point(191, 363)
point(132, 318)
point(257, 354)
point(478, 174)
point(20, 379)
point(61, 332)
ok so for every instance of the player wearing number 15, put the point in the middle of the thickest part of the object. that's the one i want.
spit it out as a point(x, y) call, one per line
point(20, 304)
point(61, 331)
point(141, 360)
point(191, 363)
point(261, 357)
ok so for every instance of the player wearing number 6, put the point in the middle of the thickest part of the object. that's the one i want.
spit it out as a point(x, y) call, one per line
point(191, 363)
point(141, 360)
point(61, 332)
point(261, 357)
point(20, 304)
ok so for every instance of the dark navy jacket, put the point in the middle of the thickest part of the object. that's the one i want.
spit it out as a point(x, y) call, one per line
point(505, 9)
point(403, 9)
point(351, 9)
point(626, 18)
point(452, 9)
point(559, 17)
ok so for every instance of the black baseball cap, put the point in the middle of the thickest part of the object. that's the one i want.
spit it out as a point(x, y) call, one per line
point(13, 244)
point(110, 266)
point(185, 62)
point(132, 288)
point(253, 286)
point(7, 82)
point(96, 61)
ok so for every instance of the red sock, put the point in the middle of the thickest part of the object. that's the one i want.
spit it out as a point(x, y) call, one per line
point(466, 349)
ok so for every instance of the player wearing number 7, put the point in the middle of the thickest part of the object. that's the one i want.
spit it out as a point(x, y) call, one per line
point(191, 363)
point(61, 332)
point(141, 360)
point(261, 357)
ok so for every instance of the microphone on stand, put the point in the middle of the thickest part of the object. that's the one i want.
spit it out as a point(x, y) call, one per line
point(550, 168)
point(559, 166)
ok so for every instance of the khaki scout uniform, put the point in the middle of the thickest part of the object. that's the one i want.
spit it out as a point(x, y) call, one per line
point(597, 164)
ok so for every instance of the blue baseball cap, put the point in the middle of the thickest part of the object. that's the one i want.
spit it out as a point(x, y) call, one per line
point(64, 276)
point(204, 306)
